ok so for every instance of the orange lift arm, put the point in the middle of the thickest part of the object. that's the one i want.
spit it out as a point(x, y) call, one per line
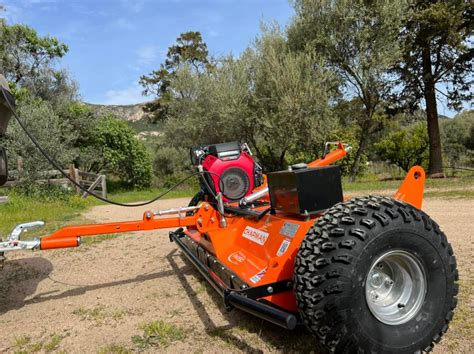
point(70, 236)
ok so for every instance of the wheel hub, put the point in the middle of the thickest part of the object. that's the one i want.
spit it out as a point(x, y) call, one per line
point(395, 287)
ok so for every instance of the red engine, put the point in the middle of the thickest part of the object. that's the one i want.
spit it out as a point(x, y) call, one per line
point(233, 170)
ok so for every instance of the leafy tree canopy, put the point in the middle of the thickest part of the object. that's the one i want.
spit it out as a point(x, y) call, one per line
point(24, 54)
point(436, 47)
point(405, 147)
point(358, 40)
point(190, 49)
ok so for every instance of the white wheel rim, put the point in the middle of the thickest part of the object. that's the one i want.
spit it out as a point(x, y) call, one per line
point(395, 287)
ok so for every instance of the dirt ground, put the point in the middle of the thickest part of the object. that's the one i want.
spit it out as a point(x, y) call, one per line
point(100, 297)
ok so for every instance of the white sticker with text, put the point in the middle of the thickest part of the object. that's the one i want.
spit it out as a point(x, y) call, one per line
point(255, 235)
point(257, 277)
point(283, 247)
point(236, 258)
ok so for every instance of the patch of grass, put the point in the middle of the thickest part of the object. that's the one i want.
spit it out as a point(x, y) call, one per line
point(158, 333)
point(21, 344)
point(53, 342)
point(24, 344)
point(94, 314)
point(129, 196)
point(117, 314)
point(175, 313)
point(372, 185)
point(462, 325)
point(98, 314)
point(450, 194)
point(55, 213)
point(114, 349)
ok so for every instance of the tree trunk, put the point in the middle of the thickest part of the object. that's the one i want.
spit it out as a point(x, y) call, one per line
point(436, 158)
point(363, 142)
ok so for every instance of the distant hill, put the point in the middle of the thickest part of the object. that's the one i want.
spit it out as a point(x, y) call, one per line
point(135, 117)
point(131, 113)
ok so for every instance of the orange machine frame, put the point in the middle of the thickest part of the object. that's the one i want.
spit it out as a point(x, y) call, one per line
point(255, 249)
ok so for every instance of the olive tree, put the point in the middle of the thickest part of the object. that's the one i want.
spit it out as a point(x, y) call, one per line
point(405, 147)
point(52, 132)
point(358, 41)
point(275, 99)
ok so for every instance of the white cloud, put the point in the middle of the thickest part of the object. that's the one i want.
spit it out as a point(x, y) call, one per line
point(122, 23)
point(134, 5)
point(40, 1)
point(149, 54)
point(129, 95)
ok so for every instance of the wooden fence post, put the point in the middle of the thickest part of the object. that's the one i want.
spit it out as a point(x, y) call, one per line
point(20, 167)
point(74, 174)
point(104, 186)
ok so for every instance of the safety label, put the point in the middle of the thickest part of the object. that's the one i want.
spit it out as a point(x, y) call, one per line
point(283, 247)
point(236, 258)
point(289, 229)
point(257, 277)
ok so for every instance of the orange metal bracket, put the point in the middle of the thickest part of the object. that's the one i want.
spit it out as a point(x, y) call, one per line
point(413, 187)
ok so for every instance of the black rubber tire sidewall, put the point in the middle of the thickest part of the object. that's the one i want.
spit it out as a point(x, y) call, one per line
point(432, 313)
point(333, 262)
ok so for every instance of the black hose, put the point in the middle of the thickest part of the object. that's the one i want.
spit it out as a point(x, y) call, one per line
point(58, 167)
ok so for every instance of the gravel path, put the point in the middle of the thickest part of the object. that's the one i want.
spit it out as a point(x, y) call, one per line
point(100, 295)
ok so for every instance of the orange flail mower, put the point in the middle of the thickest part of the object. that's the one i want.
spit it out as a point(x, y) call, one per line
point(368, 274)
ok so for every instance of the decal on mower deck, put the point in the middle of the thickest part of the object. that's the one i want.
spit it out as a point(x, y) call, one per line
point(255, 235)
point(283, 247)
point(236, 258)
point(257, 277)
point(289, 229)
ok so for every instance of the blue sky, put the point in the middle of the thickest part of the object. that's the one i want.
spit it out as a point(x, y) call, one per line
point(113, 42)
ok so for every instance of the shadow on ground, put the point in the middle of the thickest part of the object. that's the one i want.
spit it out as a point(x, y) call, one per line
point(19, 280)
point(298, 340)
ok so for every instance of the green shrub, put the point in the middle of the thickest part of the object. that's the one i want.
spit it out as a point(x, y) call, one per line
point(405, 147)
point(457, 136)
point(52, 133)
point(124, 155)
point(171, 164)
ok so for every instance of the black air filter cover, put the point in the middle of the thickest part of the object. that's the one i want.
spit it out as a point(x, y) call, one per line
point(217, 149)
point(305, 191)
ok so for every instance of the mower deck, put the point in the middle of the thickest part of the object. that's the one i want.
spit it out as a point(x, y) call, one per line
point(235, 292)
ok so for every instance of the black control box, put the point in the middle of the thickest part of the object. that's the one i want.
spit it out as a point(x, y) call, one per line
point(305, 191)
